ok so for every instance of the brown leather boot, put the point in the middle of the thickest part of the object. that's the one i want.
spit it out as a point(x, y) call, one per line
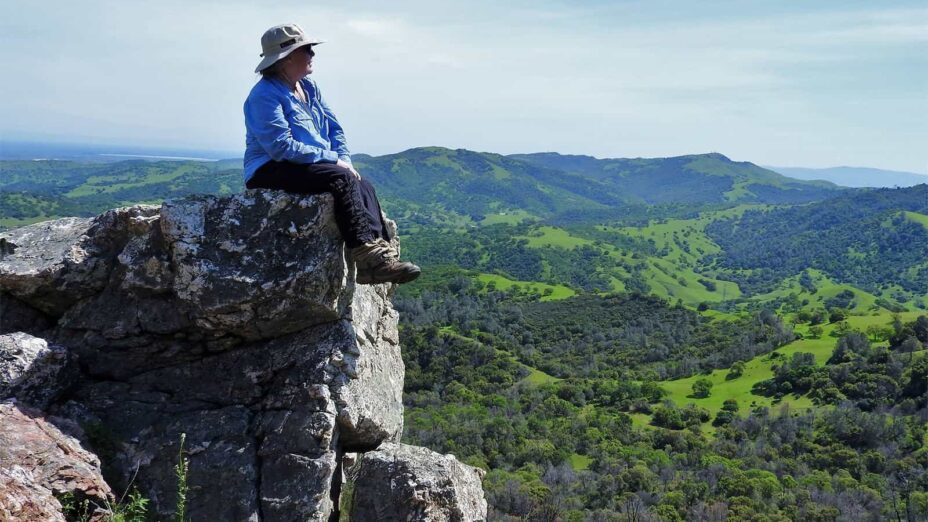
point(377, 262)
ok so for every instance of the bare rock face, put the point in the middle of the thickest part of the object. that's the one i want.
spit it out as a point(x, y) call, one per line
point(32, 371)
point(38, 462)
point(401, 482)
point(260, 264)
point(54, 264)
point(234, 321)
point(23, 499)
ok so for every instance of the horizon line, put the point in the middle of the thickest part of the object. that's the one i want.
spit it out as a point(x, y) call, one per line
point(221, 154)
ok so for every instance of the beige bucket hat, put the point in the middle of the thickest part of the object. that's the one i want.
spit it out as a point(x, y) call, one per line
point(281, 40)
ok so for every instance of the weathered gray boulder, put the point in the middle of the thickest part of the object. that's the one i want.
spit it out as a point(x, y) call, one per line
point(53, 264)
point(260, 264)
point(38, 462)
point(254, 265)
point(401, 482)
point(32, 371)
point(264, 421)
point(234, 321)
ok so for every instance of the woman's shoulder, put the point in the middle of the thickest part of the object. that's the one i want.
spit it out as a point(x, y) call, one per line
point(263, 88)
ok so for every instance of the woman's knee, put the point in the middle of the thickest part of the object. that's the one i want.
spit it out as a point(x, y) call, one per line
point(345, 183)
point(366, 184)
point(341, 175)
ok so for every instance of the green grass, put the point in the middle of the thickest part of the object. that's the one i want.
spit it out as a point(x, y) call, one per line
point(509, 217)
point(580, 462)
point(915, 217)
point(685, 239)
point(861, 322)
point(640, 420)
point(738, 190)
point(864, 302)
point(441, 159)
point(117, 182)
point(760, 368)
point(719, 316)
point(502, 283)
point(683, 246)
point(616, 285)
point(499, 172)
point(682, 243)
point(672, 283)
point(538, 377)
point(547, 236)
point(535, 376)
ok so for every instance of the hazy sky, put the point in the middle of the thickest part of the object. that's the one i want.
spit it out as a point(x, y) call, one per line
point(789, 83)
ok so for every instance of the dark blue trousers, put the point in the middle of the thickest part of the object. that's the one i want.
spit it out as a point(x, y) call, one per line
point(357, 210)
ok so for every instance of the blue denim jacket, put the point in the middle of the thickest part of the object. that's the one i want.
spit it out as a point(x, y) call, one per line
point(279, 127)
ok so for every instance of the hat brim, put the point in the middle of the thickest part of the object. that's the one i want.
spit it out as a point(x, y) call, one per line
point(270, 59)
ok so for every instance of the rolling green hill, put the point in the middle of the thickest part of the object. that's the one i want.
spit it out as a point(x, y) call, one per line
point(476, 184)
point(703, 178)
point(546, 185)
point(874, 240)
point(32, 191)
point(444, 185)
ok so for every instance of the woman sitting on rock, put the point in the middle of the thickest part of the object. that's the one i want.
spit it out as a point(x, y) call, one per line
point(293, 142)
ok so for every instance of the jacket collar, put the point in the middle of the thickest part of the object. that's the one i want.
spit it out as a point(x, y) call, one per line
point(307, 84)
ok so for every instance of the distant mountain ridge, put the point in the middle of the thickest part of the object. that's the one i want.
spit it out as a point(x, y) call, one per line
point(857, 177)
point(440, 180)
point(696, 178)
point(549, 183)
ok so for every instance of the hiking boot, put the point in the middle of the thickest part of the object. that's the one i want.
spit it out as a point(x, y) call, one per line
point(377, 262)
point(390, 271)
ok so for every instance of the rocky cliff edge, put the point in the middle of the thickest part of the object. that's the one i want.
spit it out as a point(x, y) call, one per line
point(234, 321)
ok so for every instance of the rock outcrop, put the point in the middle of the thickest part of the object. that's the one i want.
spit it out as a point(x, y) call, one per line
point(38, 463)
point(34, 372)
point(234, 321)
point(401, 482)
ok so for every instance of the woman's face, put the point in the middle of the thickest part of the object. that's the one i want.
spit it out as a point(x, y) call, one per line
point(300, 62)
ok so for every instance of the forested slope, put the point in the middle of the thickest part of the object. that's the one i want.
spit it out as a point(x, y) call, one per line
point(875, 240)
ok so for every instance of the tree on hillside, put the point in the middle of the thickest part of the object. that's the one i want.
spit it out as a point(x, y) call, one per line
point(815, 331)
point(737, 370)
point(727, 414)
point(836, 315)
point(702, 388)
point(878, 333)
point(849, 348)
point(920, 328)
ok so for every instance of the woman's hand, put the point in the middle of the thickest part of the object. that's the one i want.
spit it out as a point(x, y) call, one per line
point(345, 165)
